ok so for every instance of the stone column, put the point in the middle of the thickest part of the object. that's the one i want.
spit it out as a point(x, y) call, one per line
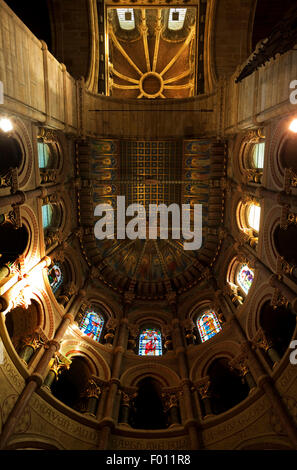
point(127, 398)
point(171, 408)
point(33, 382)
point(29, 345)
point(92, 393)
point(240, 363)
point(108, 421)
point(202, 386)
point(20, 197)
point(57, 364)
point(190, 423)
point(260, 340)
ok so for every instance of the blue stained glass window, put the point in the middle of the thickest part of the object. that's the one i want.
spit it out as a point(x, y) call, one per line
point(245, 277)
point(208, 325)
point(55, 277)
point(150, 342)
point(92, 324)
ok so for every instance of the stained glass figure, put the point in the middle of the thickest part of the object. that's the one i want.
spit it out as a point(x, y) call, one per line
point(245, 277)
point(55, 277)
point(92, 324)
point(208, 325)
point(150, 342)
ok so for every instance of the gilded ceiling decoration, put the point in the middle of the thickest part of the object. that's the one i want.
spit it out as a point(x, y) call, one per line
point(151, 52)
point(151, 172)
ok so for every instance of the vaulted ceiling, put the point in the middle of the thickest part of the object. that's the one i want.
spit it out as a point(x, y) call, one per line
point(151, 172)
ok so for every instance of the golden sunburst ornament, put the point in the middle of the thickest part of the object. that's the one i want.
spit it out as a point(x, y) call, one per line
point(154, 61)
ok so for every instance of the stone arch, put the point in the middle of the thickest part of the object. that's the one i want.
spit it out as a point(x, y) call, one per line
point(166, 376)
point(278, 137)
point(227, 349)
point(97, 363)
point(29, 220)
point(73, 380)
point(20, 142)
point(23, 322)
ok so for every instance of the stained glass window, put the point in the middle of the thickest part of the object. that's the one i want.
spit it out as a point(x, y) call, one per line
point(208, 325)
point(47, 215)
point(254, 213)
point(55, 277)
point(258, 155)
point(245, 277)
point(44, 155)
point(150, 342)
point(92, 324)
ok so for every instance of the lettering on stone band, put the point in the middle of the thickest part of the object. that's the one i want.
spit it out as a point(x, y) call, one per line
point(57, 419)
point(136, 444)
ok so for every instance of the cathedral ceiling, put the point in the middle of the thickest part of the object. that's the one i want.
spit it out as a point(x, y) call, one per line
point(151, 172)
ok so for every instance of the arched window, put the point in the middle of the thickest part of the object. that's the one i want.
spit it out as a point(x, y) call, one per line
point(92, 324)
point(126, 18)
point(55, 277)
point(47, 215)
point(51, 216)
point(252, 158)
point(244, 277)
point(44, 155)
point(253, 216)
point(48, 154)
point(208, 325)
point(176, 18)
point(150, 342)
point(258, 152)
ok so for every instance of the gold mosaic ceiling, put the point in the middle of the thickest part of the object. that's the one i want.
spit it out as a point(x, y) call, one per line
point(151, 52)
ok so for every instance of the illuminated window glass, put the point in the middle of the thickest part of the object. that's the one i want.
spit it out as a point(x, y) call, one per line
point(208, 325)
point(92, 324)
point(55, 277)
point(176, 18)
point(245, 277)
point(44, 155)
point(150, 343)
point(126, 18)
point(47, 215)
point(253, 216)
point(258, 155)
